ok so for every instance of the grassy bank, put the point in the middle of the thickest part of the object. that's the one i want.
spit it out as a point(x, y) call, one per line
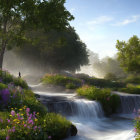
point(110, 102)
point(23, 117)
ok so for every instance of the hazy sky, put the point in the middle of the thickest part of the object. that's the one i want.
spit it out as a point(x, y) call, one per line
point(100, 23)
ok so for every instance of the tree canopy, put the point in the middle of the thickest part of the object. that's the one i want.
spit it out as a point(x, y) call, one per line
point(16, 16)
point(129, 54)
point(55, 50)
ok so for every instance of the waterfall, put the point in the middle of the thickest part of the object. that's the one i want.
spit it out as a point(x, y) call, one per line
point(78, 107)
point(129, 104)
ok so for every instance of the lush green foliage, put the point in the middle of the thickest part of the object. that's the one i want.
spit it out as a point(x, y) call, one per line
point(61, 80)
point(58, 124)
point(110, 102)
point(130, 88)
point(135, 79)
point(17, 16)
point(129, 54)
point(103, 83)
point(55, 51)
point(23, 117)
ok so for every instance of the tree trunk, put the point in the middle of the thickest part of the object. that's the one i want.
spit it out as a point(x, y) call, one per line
point(2, 54)
point(3, 44)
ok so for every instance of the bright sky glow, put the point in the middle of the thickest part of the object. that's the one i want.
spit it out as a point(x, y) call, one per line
point(100, 23)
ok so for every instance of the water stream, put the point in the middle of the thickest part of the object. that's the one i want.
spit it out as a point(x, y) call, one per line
point(88, 116)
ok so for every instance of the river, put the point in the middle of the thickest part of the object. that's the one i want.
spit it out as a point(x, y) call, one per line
point(88, 116)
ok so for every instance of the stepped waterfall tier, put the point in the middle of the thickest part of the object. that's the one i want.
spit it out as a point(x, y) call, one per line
point(88, 116)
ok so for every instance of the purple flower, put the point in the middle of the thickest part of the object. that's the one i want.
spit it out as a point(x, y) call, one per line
point(8, 138)
point(27, 110)
point(13, 113)
point(5, 95)
point(35, 127)
point(1, 120)
point(49, 137)
point(0, 80)
point(13, 129)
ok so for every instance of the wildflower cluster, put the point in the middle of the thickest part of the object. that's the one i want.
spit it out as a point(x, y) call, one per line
point(22, 123)
point(11, 95)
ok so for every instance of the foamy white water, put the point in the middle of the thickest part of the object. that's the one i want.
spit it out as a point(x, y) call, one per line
point(88, 117)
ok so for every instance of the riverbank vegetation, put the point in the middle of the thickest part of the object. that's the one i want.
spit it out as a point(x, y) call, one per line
point(22, 116)
point(110, 102)
point(61, 80)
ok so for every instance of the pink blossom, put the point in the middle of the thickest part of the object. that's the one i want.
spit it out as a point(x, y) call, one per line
point(135, 130)
point(8, 121)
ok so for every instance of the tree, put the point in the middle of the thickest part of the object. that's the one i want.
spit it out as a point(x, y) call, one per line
point(55, 50)
point(18, 15)
point(129, 54)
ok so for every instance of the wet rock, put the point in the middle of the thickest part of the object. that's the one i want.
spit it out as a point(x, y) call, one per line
point(73, 130)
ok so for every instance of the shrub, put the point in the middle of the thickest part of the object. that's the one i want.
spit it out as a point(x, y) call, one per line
point(133, 79)
point(56, 126)
point(60, 80)
point(110, 102)
point(130, 88)
point(3, 86)
point(71, 86)
point(103, 83)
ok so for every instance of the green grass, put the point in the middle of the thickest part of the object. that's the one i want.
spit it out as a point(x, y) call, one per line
point(110, 102)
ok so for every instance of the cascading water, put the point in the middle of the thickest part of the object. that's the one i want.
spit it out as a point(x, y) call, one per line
point(88, 117)
point(130, 104)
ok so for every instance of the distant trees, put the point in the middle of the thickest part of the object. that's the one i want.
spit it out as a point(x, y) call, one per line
point(55, 50)
point(129, 54)
point(16, 16)
point(108, 67)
